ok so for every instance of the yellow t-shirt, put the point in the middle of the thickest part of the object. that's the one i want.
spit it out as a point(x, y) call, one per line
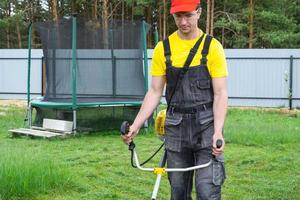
point(180, 49)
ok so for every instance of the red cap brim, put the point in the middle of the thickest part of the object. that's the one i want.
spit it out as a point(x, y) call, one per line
point(183, 8)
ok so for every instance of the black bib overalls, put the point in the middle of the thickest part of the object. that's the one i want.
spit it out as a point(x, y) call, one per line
point(189, 129)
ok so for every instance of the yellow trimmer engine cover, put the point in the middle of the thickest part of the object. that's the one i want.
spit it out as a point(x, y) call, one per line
point(160, 122)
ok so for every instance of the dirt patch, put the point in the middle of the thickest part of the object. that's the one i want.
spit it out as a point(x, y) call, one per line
point(285, 111)
point(17, 103)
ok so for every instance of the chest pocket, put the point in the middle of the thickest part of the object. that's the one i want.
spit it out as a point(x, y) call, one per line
point(201, 89)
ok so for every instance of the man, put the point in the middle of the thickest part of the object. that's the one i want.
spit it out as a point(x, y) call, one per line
point(196, 106)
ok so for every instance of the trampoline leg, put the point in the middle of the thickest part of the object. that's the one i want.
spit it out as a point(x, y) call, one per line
point(29, 116)
point(74, 121)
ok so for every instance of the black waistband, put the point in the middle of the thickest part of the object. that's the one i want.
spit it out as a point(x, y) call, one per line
point(191, 110)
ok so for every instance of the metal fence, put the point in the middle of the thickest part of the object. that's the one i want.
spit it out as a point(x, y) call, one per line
point(13, 73)
point(257, 77)
point(264, 77)
point(270, 82)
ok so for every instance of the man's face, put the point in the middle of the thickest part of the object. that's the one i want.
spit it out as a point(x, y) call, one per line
point(187, 21)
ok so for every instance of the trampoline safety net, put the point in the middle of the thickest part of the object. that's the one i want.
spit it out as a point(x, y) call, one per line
point(97, 64)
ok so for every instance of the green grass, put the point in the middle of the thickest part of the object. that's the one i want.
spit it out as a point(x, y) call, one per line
point(262, 160)
point(260, 128)
point(26, 172)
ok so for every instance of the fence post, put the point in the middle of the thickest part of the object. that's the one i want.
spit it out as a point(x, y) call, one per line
point(29, 62)
point(43, 78)
point(291, 83)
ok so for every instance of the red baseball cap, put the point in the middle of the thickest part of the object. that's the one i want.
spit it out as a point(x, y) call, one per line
point(184, 5)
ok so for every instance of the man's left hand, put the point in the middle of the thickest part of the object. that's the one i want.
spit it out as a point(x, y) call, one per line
point(218, 151)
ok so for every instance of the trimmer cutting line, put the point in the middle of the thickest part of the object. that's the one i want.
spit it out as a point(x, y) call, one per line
point(160, 170)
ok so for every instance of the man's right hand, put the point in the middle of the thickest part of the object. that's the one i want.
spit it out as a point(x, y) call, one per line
point(133, 131)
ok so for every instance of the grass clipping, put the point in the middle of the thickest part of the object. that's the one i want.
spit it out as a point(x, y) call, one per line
point(24, 173)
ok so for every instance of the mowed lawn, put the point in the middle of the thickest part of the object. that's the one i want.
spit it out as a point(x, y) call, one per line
point(262, 161)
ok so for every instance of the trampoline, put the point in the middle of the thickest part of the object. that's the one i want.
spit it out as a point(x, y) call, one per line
point(94, 72)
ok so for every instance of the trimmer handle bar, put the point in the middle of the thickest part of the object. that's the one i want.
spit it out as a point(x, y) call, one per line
point(159, 171)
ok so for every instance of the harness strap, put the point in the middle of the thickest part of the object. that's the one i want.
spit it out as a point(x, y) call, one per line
point(167, 52)
point(193, 52)
point(205, 50)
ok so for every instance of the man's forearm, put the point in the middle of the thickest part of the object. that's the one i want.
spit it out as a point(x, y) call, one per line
point(150, 102)
point(220, 110)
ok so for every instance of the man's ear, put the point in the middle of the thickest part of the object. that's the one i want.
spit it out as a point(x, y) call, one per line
point(199, 11)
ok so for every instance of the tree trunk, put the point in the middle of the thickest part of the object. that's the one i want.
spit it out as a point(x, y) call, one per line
point(210, 17)
point(7, 26)
point(87, 9)
point(19, 35)
point(95, 10)
point(54, 10)
point(73, 7)
point(251, 18)
point(164, 20)
point(123, 13)
point(105, 13)
point(159, 21)
point(211, 32)
point(223, 29)
point(61, 7)
point(7, 38)
point(105, 22)
point(148, 14)
point(132, 10)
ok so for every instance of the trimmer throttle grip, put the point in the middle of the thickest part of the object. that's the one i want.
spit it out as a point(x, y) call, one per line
point(124, 131)
point(125, 128)
point(219, 143)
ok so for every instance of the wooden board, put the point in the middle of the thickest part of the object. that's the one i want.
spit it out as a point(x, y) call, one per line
point(37, 133)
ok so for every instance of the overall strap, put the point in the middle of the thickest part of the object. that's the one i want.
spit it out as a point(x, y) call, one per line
point(193, 52)
point(167, 52)
point(185, 68)
point(205, 50)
